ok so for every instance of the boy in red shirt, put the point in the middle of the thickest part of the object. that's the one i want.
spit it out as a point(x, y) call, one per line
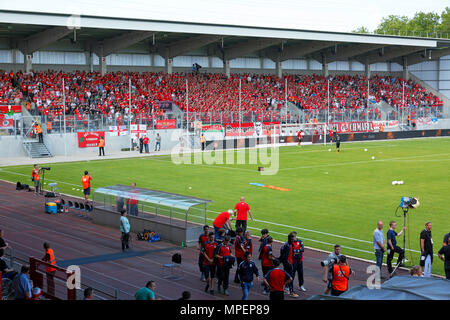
point(267, 260)
point(209, 265)
point(202, 240)
point(239, 250)
point(223, 269)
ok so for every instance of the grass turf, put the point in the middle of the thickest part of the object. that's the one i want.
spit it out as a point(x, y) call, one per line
point(334, 197)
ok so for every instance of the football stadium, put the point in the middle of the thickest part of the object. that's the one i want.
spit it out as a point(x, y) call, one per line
point(152, 155)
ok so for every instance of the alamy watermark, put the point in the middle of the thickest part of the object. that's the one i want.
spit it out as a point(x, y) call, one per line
point(74, 280)
point(263, 154)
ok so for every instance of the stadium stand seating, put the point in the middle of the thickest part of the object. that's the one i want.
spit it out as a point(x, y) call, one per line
point(90, 93)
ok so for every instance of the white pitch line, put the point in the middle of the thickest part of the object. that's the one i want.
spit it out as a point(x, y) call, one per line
point(25, 175)
point(359, 162)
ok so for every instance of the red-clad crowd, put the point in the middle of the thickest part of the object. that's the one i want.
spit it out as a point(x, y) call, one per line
point(261, 95)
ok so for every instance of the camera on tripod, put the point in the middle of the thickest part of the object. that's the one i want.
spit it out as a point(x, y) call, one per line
point(409, 203)
point(45, 168)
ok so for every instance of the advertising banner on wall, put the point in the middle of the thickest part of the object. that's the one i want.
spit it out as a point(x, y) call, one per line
point(212, 131)
point(391, 124)
point(353, 127)
point(251, 129)
point(166, 124)
point(6, 122)
point(89, 139)
point(11, 112)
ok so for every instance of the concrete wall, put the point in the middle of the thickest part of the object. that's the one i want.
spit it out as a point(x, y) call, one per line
point(13, 147)
point(55, 142)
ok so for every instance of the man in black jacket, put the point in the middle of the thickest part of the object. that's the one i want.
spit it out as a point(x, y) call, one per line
point(245, 271)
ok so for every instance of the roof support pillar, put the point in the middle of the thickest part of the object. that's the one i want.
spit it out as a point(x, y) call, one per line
point(168, 65)
point(324, 67)
point(103, 67)
point(405, 69)
point(367, 70)
point(28, 62)
point(279, 68)
point(226, 68)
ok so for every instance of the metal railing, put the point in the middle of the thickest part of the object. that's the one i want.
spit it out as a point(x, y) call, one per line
point(410, 33)
point(22, 128)
point(101, 290)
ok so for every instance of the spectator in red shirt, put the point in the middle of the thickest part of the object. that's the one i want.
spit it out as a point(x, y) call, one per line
point(241, 209)
point(276, 279)
point(146, 141)
point(223, 219)
point(209, 265)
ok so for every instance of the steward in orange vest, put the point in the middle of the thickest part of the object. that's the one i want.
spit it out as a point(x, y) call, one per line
point(36, 178)
point(50, 258)
point(341, 274)
point(101, 146)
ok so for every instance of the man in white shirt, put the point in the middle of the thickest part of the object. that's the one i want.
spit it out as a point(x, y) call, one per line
point(379, 244)
point(125, 229)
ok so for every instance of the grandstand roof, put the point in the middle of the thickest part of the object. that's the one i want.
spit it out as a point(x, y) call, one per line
point(33, 27)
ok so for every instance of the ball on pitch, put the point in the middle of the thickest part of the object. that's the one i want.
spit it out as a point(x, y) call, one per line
point(365, 150)
point(329, 149)
point(190, 188)
point(373, 158)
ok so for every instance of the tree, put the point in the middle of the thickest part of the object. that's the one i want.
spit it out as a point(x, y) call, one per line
point(393, 24)
point(361, 29)
point(424, 22)
point(444, 27)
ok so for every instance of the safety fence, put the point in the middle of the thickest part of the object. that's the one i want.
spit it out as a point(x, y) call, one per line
point(59, 289)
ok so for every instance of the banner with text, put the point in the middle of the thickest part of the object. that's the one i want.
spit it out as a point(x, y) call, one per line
point(166, 124)
point(89, 139)
point(353, 127)
point(252, 129)
point(390, 124)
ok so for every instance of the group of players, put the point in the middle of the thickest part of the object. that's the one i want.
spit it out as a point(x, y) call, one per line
point(216, 259)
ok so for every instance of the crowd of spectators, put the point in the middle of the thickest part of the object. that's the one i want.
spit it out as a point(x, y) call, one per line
point(262, 95)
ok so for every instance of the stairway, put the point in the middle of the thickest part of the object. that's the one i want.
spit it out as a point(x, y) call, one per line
point(37, 149)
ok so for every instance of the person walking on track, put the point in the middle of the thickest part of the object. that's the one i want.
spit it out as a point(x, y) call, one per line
point(241, 208)
point(125, 229)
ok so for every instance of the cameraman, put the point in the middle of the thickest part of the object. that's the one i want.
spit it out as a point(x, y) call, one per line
point(36, 178)
point(341, 274)
point(328, 265)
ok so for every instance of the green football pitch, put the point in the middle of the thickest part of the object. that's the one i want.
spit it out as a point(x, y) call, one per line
point(333, 197)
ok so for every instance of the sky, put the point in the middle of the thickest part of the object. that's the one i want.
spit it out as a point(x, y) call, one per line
point(323, 15)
